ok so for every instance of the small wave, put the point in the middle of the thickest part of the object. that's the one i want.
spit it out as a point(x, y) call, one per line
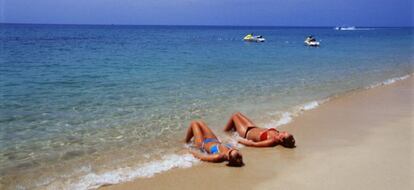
point(94, 181)
point(287, 117)
point(310, 105)
point(388, 81)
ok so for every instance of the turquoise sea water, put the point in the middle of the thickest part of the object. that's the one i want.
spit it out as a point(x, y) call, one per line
point(79, 99)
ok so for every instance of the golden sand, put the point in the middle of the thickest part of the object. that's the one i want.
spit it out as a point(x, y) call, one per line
point(362, 140)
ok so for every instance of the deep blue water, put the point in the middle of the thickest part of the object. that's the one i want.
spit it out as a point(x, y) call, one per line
point(72, 91)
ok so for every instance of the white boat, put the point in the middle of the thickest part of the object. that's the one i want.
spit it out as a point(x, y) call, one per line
point(311, 43)
point(251, 38)
point(345, 28)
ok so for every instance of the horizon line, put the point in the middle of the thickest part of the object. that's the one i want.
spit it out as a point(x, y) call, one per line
point(206, 25)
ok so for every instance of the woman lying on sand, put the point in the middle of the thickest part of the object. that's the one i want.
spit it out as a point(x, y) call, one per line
point(206, 141)
point(258, 137)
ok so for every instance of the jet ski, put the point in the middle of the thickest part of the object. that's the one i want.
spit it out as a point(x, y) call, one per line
point(251, 38)
point(310, 41)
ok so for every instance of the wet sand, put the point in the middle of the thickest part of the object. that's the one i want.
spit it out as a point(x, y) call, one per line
point(361, 140)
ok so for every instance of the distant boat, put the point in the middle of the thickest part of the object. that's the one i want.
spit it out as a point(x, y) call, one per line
point(313, 44)
point(311, 41)
point(251, 38)
point(345, 28)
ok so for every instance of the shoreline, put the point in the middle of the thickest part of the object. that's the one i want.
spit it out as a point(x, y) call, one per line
point(302, 161)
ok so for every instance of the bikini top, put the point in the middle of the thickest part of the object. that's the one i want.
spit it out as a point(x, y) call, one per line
point(263, 134)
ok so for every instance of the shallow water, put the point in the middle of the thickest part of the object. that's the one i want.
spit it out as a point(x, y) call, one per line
point(77, 100)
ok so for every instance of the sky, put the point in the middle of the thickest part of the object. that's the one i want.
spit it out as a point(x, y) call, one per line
point(211, 12)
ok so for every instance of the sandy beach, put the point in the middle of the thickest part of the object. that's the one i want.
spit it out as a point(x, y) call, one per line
point(360, 140)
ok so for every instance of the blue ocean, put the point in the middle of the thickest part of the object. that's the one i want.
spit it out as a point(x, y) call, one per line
point(86, 105)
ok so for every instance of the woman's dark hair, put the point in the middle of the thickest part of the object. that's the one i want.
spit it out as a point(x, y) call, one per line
point(235, 158)
point(288, 142)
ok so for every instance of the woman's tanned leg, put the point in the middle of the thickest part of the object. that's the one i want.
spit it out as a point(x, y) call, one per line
point(207, 132)
point(240, 123)
point(194, 130)
point(230, 124)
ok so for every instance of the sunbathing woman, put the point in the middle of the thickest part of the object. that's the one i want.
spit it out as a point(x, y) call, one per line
point(207, 142)
point(258, 137)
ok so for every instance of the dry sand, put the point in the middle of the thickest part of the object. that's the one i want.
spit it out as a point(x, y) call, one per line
point(361, 140)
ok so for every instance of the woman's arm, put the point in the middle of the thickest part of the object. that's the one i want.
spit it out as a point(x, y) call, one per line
point(266, 143)
point(245, 142)
point(207, 157)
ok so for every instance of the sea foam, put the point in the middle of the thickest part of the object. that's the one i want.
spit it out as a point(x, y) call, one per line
point(94, 180)
point(389, 81)
point(310, 105)
point(287, 117)
point(284, 118)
